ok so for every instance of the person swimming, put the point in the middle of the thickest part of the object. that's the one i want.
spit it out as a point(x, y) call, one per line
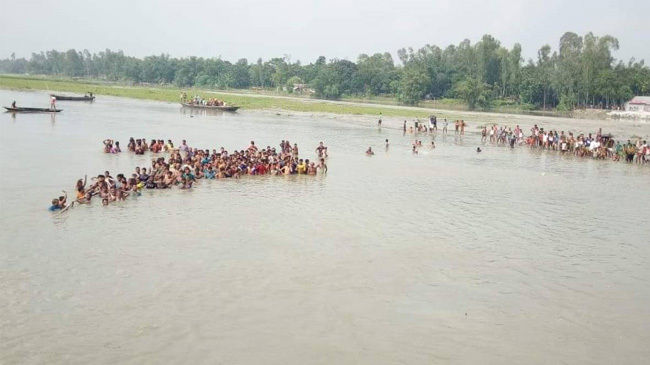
point(478, 149)
point(369, 151)
point(55, 205)
point(60, 203)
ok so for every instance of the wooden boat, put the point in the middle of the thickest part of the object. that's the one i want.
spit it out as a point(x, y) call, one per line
point(222, 108)
point(31, 110)
point(73, 98)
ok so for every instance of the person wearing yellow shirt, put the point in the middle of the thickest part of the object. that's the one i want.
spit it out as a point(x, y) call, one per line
point(301, 168)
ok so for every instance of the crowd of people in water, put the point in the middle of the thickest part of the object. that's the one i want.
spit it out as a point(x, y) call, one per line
point(198, 100)
point(185, 165)
point(595, 145)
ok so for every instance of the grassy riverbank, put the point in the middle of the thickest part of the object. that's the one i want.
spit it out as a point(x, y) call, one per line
point(269, 100)
point(171, 94)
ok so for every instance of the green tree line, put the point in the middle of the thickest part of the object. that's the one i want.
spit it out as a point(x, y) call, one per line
point(580, 73)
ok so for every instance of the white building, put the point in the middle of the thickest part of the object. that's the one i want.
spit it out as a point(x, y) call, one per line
point(638, 104)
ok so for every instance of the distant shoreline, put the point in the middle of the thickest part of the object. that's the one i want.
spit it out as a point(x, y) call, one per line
point(248, 100)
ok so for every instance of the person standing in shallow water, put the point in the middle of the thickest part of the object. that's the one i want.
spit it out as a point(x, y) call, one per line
point(321, 150)
point(630, 151)
point(322, 166)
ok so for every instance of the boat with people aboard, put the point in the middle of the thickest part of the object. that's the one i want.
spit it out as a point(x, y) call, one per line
point(225, 108)
point(197, 102)
point(31, 110)
point(88, 97)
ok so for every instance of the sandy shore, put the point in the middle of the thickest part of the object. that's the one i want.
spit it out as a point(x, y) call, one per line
point(620, 128)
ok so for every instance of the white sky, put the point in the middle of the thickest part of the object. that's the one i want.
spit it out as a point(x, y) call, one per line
point(306, 29)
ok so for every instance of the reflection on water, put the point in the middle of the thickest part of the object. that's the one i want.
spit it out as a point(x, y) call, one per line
point(203, 112)
point(14, 117)
point(508, 256)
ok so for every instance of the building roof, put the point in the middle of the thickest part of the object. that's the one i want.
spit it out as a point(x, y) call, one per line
point(643, 100)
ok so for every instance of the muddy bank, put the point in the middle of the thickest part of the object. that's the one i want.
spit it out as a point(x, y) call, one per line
point(620, 128)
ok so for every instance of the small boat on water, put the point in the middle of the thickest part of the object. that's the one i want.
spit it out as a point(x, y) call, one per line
point(32, 110)
point(222, 108)
point(90, 97)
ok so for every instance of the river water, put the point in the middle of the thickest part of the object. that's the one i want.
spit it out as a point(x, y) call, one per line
point(449, 256)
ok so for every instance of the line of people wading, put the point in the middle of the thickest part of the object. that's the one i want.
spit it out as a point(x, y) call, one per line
point(185, 166)
point(595, 145)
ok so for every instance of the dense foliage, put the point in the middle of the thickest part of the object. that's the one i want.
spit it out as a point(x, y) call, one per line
point(581, 72)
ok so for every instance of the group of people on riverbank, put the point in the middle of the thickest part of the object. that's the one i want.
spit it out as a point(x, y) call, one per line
point(185, 165)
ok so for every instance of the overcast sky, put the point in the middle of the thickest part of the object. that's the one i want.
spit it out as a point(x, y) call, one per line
point(306, 29)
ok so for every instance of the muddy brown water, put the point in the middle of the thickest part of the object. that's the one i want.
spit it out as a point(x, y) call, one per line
point(448, 256)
